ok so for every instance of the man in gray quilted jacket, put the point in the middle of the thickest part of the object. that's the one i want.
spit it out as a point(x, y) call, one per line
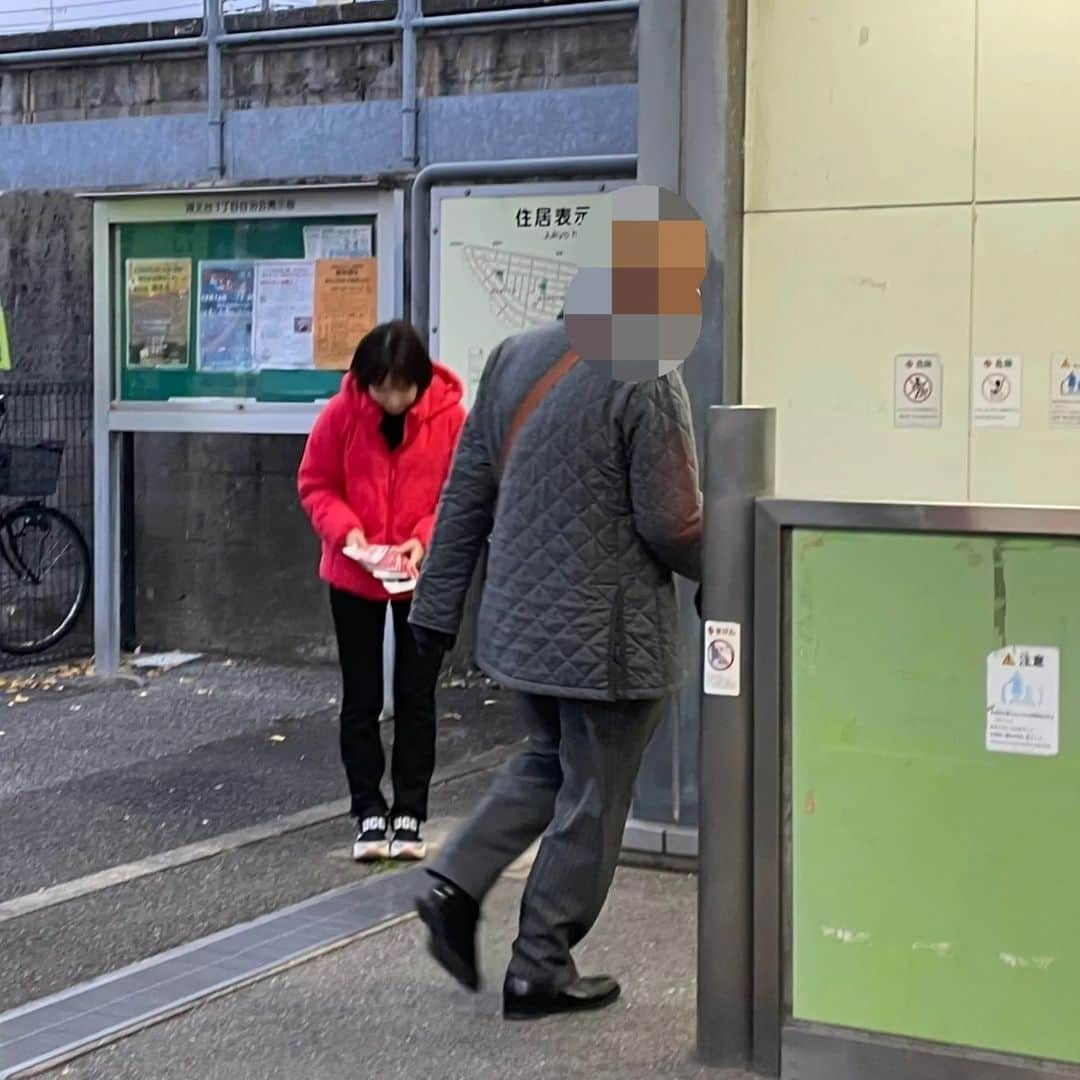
point(594, 509)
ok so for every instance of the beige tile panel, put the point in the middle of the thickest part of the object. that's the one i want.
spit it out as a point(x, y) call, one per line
point(1028, 99)
point(1027, 301)
point(860, 102)
point(830, 298)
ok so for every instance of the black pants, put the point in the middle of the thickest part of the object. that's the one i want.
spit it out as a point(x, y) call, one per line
point(360, 626)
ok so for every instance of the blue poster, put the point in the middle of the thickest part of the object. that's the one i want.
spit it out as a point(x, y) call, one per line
point(226, 315)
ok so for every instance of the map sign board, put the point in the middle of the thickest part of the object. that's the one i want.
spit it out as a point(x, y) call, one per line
point(505, 261)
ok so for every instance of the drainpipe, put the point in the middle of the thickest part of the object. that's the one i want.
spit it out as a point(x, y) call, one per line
point(608, 165)
point(408, 12)
point(215, 118)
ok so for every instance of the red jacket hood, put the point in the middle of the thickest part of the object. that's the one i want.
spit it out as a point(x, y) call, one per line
point(445, 392)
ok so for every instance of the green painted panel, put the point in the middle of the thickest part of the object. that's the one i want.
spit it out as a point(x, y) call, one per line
point(935, 885)
point(267, 238)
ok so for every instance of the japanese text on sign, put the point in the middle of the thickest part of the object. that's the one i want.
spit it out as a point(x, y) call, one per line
point(238, 206)
point(544, 217)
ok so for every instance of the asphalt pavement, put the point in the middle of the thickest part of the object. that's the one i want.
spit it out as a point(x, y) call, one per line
point(381, 1009)
point(96, 775)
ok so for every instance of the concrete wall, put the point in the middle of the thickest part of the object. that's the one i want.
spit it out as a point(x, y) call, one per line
point(562, 57)
point(45, 284)
point(224, 558)
point(887, 216)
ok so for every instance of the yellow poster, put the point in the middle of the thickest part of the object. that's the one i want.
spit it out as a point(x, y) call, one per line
point(5, 350)
point(158, 312)
point(346, 308)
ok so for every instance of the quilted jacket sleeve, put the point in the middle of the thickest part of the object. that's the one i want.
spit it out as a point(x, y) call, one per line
point(462, 524)
point(664, 488)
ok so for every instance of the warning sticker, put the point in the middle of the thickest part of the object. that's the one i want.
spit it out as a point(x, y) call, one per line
point(917, 392)
point(997, 385)
point(1022, 692)
point(723, 658)
point(1064, 390)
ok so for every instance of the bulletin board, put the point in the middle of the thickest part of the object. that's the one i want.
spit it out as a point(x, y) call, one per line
point(250, 300)
point(239, 310)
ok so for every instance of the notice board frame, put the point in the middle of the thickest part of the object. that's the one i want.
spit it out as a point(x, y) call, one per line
point(114, 418)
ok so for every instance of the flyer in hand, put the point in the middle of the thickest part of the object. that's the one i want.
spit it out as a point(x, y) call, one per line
point(382, 562)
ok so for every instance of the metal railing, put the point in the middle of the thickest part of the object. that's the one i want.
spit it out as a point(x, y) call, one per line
point(46, 16)
point(60, 412)
point(210, 36)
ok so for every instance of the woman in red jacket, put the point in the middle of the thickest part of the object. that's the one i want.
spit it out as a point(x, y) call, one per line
point(372, 473)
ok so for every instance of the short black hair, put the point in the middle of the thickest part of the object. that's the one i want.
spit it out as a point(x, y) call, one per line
point(392, 350)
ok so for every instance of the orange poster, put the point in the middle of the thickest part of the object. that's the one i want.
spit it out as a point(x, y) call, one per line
point(346, 308)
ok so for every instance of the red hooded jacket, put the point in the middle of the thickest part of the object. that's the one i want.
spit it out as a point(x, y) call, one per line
point(350, 479)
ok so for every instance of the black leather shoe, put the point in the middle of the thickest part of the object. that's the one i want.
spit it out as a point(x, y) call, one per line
point(523, 1000)
point(451, 915)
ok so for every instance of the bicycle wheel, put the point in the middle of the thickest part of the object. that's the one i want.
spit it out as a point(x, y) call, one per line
point(44, 578)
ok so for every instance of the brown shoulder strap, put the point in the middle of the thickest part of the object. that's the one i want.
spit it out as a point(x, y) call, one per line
point(532, 401)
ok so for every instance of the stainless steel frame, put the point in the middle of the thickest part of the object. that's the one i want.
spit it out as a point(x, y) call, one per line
point(781, 1045)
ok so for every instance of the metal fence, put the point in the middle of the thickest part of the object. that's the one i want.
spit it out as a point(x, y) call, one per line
point(57, 412)
point(39, 16)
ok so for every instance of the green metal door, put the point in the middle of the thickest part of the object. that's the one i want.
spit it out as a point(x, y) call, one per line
point(935, 884)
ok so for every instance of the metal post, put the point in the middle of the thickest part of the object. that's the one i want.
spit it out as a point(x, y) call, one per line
point(212, 28)
point(739, 468)
point(388, 664)
point(408, 12)
point(106, 468)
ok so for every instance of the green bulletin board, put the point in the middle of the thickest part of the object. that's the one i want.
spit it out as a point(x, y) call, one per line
point(217, 240)
point(935, 883)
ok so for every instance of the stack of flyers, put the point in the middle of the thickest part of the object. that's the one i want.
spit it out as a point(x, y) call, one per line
point(385, 563)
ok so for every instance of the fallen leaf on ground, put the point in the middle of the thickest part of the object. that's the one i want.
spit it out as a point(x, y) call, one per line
point(491, 701)
point(277, 738)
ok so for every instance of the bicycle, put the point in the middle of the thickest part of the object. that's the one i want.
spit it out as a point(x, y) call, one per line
point(44, 557)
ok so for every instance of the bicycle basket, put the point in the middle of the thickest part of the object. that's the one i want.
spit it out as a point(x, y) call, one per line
point(30, 470)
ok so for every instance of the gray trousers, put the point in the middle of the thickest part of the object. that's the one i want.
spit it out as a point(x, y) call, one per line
point(573, 783)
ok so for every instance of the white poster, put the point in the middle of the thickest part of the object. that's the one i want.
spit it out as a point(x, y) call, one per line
point(337, 241)
point(505, 263)
point(917, 392)
point(1065, 390)
point(284, 315)
point(1022, 696)
point(723, 658)
point(996, 389)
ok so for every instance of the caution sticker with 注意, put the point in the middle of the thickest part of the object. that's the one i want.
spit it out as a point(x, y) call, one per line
point(1022, 700)
point(723, 658)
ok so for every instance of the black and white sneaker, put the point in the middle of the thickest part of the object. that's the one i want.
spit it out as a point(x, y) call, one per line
point(407, 843)
point(370, 844)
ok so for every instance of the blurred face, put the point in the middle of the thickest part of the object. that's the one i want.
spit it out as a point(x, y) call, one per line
point(394, 398)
